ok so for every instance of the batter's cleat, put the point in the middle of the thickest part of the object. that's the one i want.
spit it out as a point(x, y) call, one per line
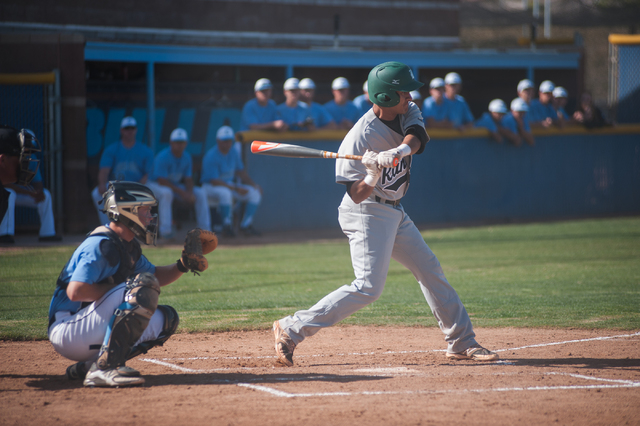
point(116, 377)
point(476, 353)
point(77, 371)
point(284, 345)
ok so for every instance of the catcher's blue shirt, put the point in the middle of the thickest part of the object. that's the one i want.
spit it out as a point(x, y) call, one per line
point(88, 265)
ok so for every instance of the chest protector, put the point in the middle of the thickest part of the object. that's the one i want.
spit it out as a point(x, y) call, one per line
point(115, 250)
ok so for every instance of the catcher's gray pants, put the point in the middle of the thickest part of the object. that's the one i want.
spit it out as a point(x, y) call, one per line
point(378, 232)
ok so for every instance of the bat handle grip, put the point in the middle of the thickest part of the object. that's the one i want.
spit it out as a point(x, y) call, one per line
point(395, 162)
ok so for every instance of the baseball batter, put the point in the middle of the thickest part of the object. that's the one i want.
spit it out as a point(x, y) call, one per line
point(377, 226)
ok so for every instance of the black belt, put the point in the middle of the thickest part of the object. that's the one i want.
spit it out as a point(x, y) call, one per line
point(395, 203)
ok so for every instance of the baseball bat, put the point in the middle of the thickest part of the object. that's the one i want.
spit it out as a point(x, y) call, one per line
point(297, 151)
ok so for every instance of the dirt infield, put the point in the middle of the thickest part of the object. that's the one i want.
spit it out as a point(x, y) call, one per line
point(343, 376)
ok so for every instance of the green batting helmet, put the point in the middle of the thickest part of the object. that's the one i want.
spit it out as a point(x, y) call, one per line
point(387, 79)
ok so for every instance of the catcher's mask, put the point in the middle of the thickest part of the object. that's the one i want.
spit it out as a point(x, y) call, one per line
point(386, 80)
point(23, 144)
point(122, 202)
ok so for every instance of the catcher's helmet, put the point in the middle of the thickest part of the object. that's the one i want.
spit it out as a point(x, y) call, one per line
point(387, 79)
point(121, 203)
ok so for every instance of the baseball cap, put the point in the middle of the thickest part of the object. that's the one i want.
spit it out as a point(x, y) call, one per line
point(291, 84)
point(306, 83)
point(560, 92)
point(415, 95)
point(340, 83)
point(452, 78)
point(225, 133)
point(547, 87)
point(128, 122)
point(497, 105)
point(262, 84)
point(436, 83)
point(518, 104)
point(179, 135)
point(524, 85)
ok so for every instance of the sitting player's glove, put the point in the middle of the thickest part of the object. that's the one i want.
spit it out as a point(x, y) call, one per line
point(196, 244)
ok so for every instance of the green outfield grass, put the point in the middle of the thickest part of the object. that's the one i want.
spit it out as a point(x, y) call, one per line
point(569, 274)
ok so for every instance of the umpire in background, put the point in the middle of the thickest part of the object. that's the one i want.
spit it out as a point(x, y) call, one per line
point(16, 162)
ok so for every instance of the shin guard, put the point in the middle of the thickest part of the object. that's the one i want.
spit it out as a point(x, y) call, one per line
point(129, 320)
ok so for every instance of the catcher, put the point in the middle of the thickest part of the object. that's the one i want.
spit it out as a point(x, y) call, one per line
point(104, 310)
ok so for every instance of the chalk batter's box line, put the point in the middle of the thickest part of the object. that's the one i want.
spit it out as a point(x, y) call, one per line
point(614, 383)
point(540, 345)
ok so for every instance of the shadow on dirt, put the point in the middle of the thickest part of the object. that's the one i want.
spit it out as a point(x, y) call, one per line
point(59, 382)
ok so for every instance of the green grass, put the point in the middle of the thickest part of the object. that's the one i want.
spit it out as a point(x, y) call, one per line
point(582, 274)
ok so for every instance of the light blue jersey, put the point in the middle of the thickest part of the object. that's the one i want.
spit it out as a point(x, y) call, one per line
point(340, 112)
point(363, 103)
point(539, 112)
point(88, 265)
point(294, 117)
point(129, 164)
point(174, 169)
point(459, 111)
point(216, 165)
point(320, 115)
point(437, 112)
point(487, 122)
point(509, 123)
point(254, 113)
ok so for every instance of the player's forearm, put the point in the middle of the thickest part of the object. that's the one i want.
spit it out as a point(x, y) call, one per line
point(167, 274)
point(360, 191)
point(78, 291)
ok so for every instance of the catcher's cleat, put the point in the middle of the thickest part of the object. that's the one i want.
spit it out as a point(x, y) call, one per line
point(115, 377)
point(77, 371)
point(284, 345)
point(476, 353)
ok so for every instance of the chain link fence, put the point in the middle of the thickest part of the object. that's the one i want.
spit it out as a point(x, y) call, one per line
point(32, 101)
point(624, 77)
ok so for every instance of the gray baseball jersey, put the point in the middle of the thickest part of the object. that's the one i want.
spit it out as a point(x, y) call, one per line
point(371, 133)
point(378, 232)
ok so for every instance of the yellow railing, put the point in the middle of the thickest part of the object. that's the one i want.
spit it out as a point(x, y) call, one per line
point(34, 78)
point(331, 135)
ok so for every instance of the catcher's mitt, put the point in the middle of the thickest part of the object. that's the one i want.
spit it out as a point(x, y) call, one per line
point(197, 243)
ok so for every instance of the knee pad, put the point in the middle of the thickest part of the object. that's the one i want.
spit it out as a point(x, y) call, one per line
point(171, 321)
point(129, 320)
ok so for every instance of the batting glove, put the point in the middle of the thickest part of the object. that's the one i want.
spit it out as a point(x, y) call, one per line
point(388, 157)
point(370, 161)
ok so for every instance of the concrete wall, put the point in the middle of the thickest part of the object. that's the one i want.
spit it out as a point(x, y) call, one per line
point(469, 180)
